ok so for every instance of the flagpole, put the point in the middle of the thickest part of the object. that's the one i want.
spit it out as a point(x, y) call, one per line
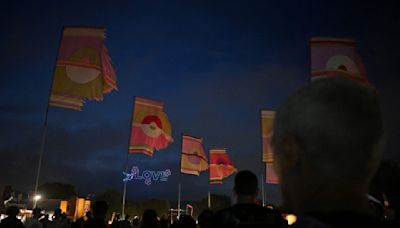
point(179, 185)
point(41, 153)
point(123, 200)
point(126, 162)
point(209, 199)
point(262, 162)
point(209, 174)
point(44, 132)
point(262, 190)
point(124, 190)
point(179, 200)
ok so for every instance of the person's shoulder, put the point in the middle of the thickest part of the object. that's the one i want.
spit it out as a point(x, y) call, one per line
point(33, 223)
point(342, 220)
point(224, 216)
point(95, 223)
point(248, 215)
point(6, 220)
point(253, 209)
point(12, 221)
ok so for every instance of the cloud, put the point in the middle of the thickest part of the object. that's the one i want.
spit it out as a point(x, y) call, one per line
point(73, 156)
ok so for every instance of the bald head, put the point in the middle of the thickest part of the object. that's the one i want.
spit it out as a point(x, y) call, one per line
point(336, 126)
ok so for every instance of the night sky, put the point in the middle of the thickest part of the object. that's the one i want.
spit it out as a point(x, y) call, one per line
point(214, 64)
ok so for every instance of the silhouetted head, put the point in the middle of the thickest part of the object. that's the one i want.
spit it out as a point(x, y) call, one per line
point(328, 134)
point(206, 218)
point(57, 213)
point(246, 183)
point(186, 221)
point(135, 221)
point(100, 209)
point(149, 219)
point(37, 212)
point(88, 214)
point(12, 211)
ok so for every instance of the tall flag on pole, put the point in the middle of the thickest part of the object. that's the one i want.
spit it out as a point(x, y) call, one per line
point(193, 159)
point(83, 69)
point(220, 165)
point(151, 128)
point(267, 124)
point(336, 57)
point(270, 175)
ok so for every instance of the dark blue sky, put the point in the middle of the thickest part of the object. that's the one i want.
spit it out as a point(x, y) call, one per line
point(214, 64)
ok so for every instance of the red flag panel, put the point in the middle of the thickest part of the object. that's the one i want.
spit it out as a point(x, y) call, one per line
point(220, 165)
point(193, 159)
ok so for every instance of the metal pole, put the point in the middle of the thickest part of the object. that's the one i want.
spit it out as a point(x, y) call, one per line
point(262, 162)
point(44, 133)
point(123, 201)
point(126, 163)
point(209, 199)
point(179, 200)
point(262, 190)
point(171, 213)
point(124, 190)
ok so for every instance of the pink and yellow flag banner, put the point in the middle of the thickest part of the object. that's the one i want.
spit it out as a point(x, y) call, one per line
point(220, 165)
point(267, 124)
point(193, 159)
point(151, 129)
point(336, 57)
point(83, 70)
point(271, 176)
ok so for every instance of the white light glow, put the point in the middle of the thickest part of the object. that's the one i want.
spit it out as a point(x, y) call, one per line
point(291, 219)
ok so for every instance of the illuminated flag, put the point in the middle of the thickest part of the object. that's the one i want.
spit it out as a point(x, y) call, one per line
point(271, 176)
point(220, 165)
point(267, 123)
point(83, 69)
point(336, 57)
point(150, 127)
point(193, 159)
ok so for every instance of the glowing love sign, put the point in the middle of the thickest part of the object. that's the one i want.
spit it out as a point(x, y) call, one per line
point(148, 175)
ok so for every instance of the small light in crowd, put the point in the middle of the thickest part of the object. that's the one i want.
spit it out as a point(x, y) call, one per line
point(35, 199)
point(291, 219)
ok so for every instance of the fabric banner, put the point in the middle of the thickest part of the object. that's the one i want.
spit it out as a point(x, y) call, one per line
point(336, 57)
point(271, 176)
point(267, 123)
point(193, 159)
point(220, 165)
point(151, 128)
point(83, 69)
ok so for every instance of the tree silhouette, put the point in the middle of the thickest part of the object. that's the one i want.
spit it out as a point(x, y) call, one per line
point(56, 190)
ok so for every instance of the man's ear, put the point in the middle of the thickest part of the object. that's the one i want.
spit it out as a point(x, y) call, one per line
point(288, 158)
